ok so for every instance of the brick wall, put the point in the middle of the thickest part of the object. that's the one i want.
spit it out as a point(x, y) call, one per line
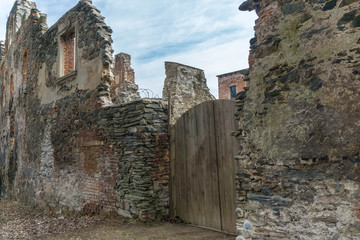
point(116, 158)
point(226, 81)
point(122, 70)
point(124, 88)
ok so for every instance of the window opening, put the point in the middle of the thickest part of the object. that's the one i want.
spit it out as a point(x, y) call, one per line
point(68, 42)
point(12, 85)
point(25, 65)
point(232, 92)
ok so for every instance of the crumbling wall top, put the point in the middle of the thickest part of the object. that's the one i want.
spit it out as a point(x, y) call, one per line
point(18, 15)
point(186, 87)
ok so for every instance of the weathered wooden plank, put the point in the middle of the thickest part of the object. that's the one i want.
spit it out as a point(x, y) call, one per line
point(188, 162)
point(184, 180)
point(179, 171)
point(195, 211)
point(199, 173)
point(211, 205)
point(227, 147)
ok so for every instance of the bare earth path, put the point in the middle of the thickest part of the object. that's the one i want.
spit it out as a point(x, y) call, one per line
point(19, 222)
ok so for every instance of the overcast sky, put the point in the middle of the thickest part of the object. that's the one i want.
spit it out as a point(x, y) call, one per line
point(212, 35)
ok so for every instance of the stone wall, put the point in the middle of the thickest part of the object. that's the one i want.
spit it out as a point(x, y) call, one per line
point(186, 87)
point(236, 79)
point(2, 51)
point(299, 162)
point(64, 144)
point(42, 102)
point(138, 135)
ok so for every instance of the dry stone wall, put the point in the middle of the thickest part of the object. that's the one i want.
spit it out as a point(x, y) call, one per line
point(299, 163)
point(138, 135)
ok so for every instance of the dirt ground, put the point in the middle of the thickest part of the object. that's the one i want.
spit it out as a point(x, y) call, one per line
point(19, 222)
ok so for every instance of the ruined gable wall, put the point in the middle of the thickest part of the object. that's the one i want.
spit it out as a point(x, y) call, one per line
point(61, 147)
point(299, 164)
point(42, 110)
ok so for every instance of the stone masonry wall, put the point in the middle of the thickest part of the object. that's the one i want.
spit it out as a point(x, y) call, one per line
point(299, 163)
point(186, 87)
point(2, 51)
point(64, 144)
point(138, 135)
point(42, 111)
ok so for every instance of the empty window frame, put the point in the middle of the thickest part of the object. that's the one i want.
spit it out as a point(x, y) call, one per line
point(68, 45)
point(232, 92)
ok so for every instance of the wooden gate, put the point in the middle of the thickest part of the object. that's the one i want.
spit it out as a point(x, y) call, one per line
point(203, 166)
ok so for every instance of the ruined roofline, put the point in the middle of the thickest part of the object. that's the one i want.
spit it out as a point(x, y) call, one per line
point(122, 53)
point(242, 71)
point(33, 6)
point(19, 8)
point(180, 64)
point(89, 2)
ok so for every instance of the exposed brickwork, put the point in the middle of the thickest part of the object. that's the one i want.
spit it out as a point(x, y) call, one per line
point(25, 65)
point(225, 81)
point(124, 88)
point(68, 47)
point(123, 71)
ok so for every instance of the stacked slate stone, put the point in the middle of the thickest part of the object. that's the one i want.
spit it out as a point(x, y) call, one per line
point(139, 133)
point(128, 92)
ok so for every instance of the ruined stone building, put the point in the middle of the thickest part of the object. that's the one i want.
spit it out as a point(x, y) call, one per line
point(75, 135)
point(230, 84)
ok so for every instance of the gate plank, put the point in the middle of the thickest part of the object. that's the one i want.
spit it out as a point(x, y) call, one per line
point(191, 158)
point(205, 118)
point(227, 148)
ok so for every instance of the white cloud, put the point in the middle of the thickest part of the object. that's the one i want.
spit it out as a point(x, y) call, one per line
point(5, 9)
point(210, 34)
